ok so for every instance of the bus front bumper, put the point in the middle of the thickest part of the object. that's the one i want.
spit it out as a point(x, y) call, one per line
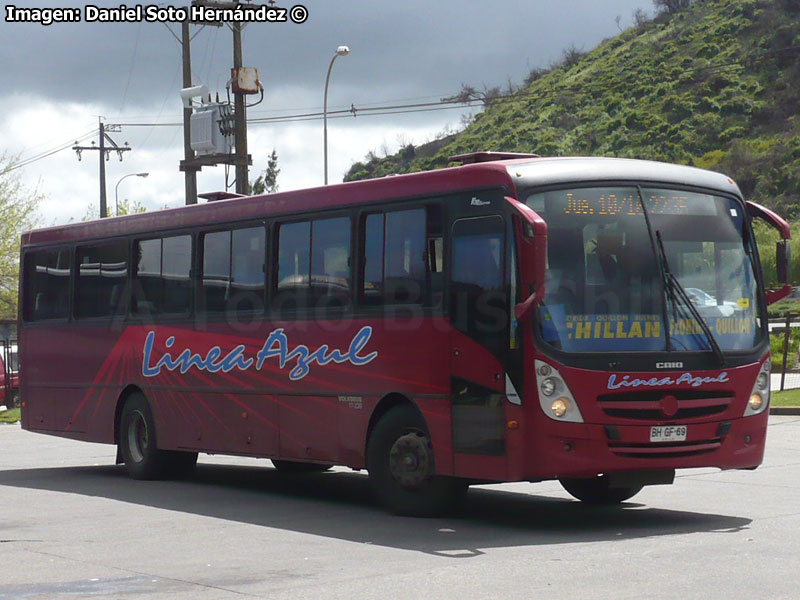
point(587, 450)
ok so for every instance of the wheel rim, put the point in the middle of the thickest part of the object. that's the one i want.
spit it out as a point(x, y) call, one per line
point(410, 460)
point(138, 438)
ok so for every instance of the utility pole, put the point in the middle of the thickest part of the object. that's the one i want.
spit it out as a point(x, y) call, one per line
point(240, 116)
point(192, 162)
point(104, 154)
point(189, 171)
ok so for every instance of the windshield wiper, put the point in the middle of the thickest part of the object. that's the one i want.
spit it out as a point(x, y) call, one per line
point(674, 290)
point(679, 291)
point(666, 288)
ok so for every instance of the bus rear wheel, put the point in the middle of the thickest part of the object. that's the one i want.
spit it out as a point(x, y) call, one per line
point(401, 469)
point(292, 466)
point(596, 491)
point(137, 444)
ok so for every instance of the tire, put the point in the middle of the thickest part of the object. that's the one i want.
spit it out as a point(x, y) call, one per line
point(291, 466)
point(139, 448)
point(14, 399)
point(596, 491)
point(401, 469)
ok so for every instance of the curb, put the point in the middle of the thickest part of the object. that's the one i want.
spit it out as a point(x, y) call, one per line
point(785, 410)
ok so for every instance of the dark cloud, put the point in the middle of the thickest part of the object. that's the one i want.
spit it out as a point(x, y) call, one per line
point(399, 49)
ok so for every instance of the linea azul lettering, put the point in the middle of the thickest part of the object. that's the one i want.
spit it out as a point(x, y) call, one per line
point(301, 357)
point(694, 380)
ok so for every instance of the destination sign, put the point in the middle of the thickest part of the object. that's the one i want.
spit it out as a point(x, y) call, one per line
point(593, 201)
point(623, 202)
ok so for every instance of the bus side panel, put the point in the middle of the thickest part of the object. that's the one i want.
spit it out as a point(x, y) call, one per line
point(215, 421)
point(72, 388)
point(309, 427)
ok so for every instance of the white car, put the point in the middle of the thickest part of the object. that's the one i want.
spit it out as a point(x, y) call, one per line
point(703, 299)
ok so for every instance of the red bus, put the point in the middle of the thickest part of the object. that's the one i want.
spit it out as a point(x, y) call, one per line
point(597, 321)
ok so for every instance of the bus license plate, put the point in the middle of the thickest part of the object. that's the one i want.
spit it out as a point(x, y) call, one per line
point(668, 433)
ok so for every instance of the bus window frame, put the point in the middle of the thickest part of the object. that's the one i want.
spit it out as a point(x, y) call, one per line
point(25, 287)
point(199, 255)
point(399, 205)
point(304, 313)
point(74, 276)
point(160, 317)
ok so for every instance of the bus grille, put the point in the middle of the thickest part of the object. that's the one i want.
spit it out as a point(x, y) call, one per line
point(674, 450)
point(650, 406)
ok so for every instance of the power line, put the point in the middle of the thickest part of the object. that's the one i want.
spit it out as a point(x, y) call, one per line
point(30, 160)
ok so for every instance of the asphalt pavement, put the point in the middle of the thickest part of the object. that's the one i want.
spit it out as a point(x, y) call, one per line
point(72, 525)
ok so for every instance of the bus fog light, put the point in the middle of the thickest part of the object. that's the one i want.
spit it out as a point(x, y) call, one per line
point(560, 406)
point(548, 386)
point(756, 401)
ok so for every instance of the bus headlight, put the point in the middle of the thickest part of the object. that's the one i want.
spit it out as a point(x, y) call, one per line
point(548, 386)
point(759, 395)
point(549, 382)
point(544, 370)
point(762, 381)
point(560, 406)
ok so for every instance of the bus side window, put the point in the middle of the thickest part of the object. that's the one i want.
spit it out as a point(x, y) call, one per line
point(215, 283)
point(294, 266)
point(403, 253)
point(163, 281)
point(330, 262)
point(46, 291)
point(102, 275)
point(479, 300)
point(404, 271)
point(372, 278)
point(314, 264)
point(435, 254)
point(247, 269)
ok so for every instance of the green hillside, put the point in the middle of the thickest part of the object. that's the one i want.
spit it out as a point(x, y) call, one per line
point(714, 85)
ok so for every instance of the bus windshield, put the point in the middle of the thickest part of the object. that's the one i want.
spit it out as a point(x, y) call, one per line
point(607, 287)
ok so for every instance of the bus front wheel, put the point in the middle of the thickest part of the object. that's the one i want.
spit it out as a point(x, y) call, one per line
point(597, 491)
point(137, 444)
point(401, 470)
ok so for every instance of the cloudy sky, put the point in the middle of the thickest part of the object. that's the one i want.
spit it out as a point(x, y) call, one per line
point(56, 80)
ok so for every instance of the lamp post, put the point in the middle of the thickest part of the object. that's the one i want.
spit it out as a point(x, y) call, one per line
point(116, 189)
point(340, 51)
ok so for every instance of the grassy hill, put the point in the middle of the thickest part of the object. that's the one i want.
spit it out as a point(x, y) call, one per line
point(715, 85)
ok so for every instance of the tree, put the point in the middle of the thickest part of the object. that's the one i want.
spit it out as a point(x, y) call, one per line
point(126, 207)
point(267, 182)
point(671, 6)
point(18, 213)
point(469, 94)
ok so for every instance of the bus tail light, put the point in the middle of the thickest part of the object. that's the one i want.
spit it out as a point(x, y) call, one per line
point(555, 398)
point(759, 396)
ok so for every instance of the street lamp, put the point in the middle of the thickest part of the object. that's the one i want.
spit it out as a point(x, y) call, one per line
point(340, 51)
point(116, 189)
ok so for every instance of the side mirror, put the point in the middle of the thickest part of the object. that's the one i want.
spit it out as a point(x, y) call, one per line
point(783, 256)
point(530, 232)
point(782, 249)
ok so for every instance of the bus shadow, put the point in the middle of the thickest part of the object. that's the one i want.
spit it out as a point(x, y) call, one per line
point(339, 505)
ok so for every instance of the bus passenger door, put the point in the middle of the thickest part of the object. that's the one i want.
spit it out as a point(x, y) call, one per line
point(479, 313)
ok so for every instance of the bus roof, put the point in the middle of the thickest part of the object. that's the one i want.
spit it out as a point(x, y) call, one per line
point(547, 171)
point(502, 173)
